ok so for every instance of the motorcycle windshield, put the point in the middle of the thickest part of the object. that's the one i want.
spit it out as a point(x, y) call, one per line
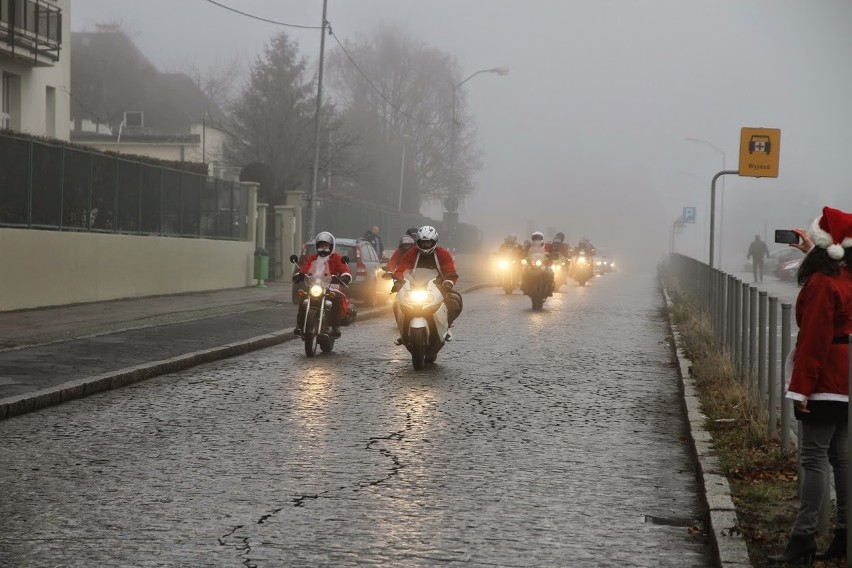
point(420, 277)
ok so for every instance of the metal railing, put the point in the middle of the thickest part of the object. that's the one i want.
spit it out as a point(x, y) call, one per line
point(745, 324)
point(53, 186)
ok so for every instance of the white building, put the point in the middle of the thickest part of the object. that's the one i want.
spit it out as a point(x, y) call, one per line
point(122, 103)
point(35, 67)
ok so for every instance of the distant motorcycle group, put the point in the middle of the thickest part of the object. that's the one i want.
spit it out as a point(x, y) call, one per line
point(426, 302)
point(539, 268)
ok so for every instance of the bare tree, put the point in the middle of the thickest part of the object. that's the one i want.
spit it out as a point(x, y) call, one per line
point(405, 101)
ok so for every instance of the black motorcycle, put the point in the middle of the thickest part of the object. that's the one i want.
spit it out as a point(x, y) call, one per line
point(537, 279)
point(317, 302)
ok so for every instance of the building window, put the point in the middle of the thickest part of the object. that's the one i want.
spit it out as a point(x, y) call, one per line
point(50, 112)
point(134, 119)
point(10, 102)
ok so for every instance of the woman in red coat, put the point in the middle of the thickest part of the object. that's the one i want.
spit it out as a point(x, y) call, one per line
point(819, 385)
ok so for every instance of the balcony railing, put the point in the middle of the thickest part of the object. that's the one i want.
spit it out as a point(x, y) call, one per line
point(31, 29)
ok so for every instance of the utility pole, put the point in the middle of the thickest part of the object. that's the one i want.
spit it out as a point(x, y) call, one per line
point(312, 226)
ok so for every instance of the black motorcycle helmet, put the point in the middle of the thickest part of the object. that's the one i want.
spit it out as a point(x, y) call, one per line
point(412, 232)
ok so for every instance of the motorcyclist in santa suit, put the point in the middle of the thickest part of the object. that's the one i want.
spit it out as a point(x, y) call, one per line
point(510, 245)
point(325, 262)
point(537, 248)
point(427, 254)
point(405, 243)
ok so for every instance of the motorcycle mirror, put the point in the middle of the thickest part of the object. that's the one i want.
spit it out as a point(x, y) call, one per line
point(345, 260)
point(294, 259)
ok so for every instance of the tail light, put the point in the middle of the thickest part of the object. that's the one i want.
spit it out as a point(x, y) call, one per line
point(360, 267)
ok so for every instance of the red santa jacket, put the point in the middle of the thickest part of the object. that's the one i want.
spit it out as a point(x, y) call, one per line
point(395, 258)
point(336, 266)
point(440, 259)
point(823, 312)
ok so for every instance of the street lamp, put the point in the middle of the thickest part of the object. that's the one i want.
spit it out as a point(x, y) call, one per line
point(453, 126)
point(722, 199)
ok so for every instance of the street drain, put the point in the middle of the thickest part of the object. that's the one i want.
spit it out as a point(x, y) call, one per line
point(669, 521)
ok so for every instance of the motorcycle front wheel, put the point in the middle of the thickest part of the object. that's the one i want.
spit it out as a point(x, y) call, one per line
point(417, 340)
point(310, 334)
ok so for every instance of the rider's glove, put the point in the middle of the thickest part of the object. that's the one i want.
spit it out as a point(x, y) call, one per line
point(397, 285)
point(448, 285)
point(346, 278)
point(298, 277)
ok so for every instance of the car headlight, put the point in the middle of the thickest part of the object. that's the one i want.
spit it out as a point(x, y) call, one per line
point(315, 291)
point(420, 296)
point(598, 263)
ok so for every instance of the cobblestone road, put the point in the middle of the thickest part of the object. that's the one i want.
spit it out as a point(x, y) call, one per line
point(538, 439)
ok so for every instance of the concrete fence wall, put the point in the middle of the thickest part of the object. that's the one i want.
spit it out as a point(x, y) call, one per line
point(46, 268)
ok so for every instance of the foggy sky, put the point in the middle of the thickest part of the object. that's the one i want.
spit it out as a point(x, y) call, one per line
point(587, 132)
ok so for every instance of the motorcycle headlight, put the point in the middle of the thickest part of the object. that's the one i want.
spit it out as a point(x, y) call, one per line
point(524, 261)
point(420, 296)
point(538, 263)
point(503, 264)
point(582, 260)
point(555, 268)
point(598, 263)
point(315, 291)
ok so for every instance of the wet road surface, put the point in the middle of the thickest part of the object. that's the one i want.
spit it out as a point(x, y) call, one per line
point(537, 439)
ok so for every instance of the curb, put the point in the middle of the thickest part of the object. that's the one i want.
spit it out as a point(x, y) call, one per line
point(79, 388)
point(731, 549)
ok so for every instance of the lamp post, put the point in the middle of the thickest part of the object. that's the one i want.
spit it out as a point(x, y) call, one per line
point(722, 199)
point(453, 127)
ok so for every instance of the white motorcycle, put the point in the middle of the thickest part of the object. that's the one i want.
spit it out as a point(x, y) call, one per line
point(421, 316)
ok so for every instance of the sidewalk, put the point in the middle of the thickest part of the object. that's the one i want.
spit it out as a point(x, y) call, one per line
point(51, 355)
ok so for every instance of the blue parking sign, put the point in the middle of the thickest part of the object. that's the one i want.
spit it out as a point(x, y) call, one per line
point(688, 215)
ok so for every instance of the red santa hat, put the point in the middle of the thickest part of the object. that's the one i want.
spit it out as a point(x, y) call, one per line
point(833, 232)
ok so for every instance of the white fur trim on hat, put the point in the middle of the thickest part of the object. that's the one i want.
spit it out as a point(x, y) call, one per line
point(821, 238)
point(835, 251)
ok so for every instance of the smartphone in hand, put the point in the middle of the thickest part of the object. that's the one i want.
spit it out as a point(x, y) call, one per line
point(786, 236)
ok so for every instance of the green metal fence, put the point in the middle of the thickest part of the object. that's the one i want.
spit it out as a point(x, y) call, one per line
point(52, 186)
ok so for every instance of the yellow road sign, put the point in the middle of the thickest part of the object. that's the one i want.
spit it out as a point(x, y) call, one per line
point(759, 150)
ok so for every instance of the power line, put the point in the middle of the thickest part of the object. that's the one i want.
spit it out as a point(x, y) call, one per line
point(267, 20)
point(375, 88)
point(348, 56)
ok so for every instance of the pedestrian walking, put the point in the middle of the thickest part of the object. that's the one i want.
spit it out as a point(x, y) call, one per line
point(757, 252)
point(819, 381)
point(372, 235)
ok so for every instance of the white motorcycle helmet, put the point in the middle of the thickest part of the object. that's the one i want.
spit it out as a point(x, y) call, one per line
point(537, 236)
point(324, 243)
point(427, 239)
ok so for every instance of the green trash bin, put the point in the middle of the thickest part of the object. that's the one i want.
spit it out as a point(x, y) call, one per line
point(261, 264)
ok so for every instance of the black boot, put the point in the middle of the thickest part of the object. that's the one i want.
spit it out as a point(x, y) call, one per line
point(801, 549)
point(837, 548)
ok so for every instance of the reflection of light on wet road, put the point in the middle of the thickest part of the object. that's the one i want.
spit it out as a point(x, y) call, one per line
point(420, 413)
point(312, 396)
